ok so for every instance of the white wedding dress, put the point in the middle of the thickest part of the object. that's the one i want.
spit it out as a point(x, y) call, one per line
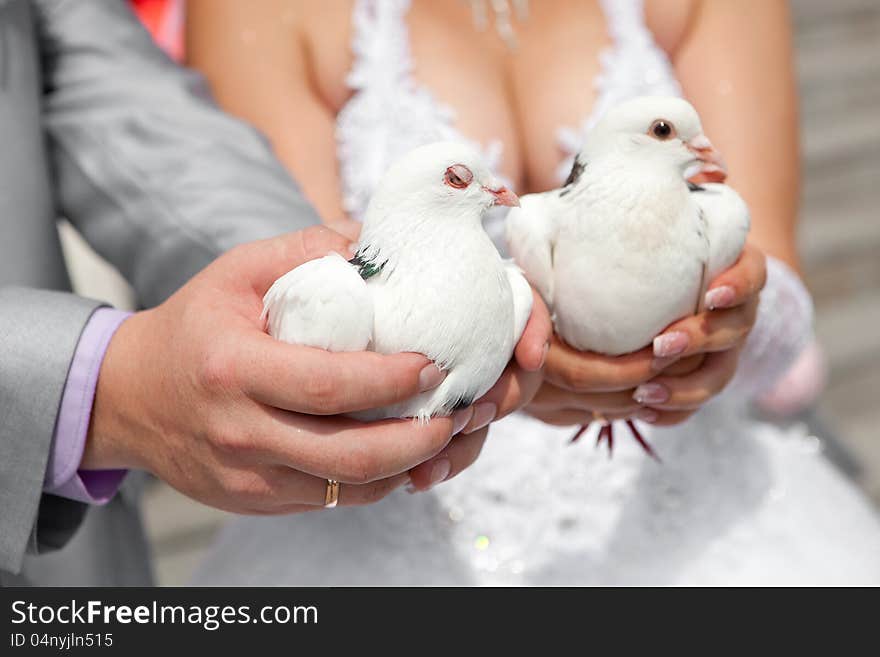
point(735, 501)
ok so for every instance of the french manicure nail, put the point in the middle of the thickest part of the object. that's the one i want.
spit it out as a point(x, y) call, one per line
point(651, 393)
point(544, 354)
point(720, 297)
point(484, 413)
point(430, 377)
point(646, 415)
point(439, 471)
point(461, 418)
point(353, 249)
point(671, 344)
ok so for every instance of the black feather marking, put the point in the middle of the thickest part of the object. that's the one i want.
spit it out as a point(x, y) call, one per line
point(463, 402)
point(577, 169)
point(367, 267)
point(694, 187)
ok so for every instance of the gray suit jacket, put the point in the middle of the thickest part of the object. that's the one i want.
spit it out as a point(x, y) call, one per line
point(98, 125)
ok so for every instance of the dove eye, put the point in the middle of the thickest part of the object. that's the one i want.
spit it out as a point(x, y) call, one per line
point(662, 129)
point(458, 176)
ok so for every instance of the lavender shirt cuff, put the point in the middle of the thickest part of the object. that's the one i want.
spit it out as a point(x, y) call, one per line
point(63, 476)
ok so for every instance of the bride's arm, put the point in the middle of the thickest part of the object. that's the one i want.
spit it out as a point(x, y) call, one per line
point(735, 64)
point(255, 60)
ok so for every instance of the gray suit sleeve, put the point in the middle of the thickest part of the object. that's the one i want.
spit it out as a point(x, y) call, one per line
point(159, 181)
point(39, 331)
point(149, 170)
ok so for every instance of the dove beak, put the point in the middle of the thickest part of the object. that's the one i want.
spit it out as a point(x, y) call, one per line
point(503, 196)
point(713, 168)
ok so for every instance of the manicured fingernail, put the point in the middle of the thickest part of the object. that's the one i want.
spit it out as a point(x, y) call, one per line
point(720, 297)
point(651, 393)
point(440, 470)
point(484, 413)
point(460, 419)
point(646, 415)
point(544, 354)
point(671, 344)
point(430, 377)
point(353, 248)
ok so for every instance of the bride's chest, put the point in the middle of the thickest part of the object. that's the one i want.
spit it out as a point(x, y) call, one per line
point(519, 99)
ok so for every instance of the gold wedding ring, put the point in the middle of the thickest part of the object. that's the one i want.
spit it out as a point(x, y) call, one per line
point(331, 495)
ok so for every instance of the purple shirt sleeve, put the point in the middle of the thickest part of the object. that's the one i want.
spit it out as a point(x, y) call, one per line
point(63, 476)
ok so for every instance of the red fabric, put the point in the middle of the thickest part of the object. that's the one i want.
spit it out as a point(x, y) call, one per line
point(164, 20)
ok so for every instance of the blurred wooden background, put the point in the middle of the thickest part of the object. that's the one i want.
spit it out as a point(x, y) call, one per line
point(838, 52)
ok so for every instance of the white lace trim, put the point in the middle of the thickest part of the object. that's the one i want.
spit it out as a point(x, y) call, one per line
point(633, 65)
point(390, 112)
point(782, 330)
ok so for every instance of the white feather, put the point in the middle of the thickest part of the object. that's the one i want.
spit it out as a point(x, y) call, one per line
point(522, 298)
point(530, 235)
point(728, 221)
point(322, 303)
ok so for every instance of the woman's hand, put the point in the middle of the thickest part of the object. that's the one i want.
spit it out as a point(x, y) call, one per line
point(717, 335)
point(664, 384)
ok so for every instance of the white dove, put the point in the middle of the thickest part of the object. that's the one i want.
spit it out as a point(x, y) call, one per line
point(627, 245)
point(426, 279)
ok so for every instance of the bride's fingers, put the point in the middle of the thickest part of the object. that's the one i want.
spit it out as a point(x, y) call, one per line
point(584, 371)
point(458, 455)
point(674, 393)
point(739, 283)
point(671, 418)
point(531, 350)
point(550, 397)
point(568, 417)
point(711, 331)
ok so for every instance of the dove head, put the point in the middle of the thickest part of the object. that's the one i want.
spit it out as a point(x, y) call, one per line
point(443, 181)
point(660, 128)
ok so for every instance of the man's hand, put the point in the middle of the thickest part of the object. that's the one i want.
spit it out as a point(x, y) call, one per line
point(197, 393)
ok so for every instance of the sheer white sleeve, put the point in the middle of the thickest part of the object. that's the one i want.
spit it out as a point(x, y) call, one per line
point(783, 328)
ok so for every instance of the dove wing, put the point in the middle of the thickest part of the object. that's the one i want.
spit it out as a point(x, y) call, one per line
point(322, 303)
point(727, 223)
point(522, 298)
point(530, 236)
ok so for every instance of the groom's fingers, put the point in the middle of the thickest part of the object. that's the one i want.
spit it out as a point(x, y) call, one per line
point(318, 382)
point(458, 456)
point(513, 390)
point(345, 449)
point(283, 490)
